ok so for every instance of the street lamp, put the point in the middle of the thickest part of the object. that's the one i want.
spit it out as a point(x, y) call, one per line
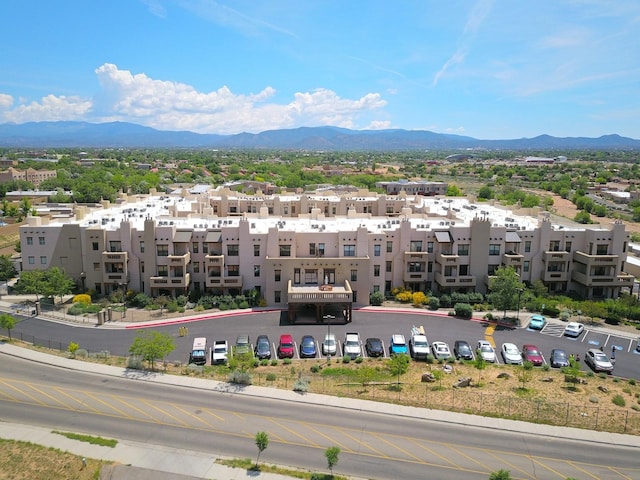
point(520, 292)
point(328, 318)
point(124, 300)
point(83, 278)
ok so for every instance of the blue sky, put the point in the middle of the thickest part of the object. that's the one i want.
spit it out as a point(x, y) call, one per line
point(489, 69)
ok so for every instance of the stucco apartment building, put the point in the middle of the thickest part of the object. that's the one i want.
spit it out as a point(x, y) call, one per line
point(30, 175)
point(319, 248)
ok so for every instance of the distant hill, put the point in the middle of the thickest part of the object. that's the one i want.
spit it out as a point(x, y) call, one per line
point(128, 135)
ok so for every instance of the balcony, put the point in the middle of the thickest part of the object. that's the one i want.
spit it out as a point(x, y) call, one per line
point(457, 281)
point(180, 260)
point(415, 276)
point(599, 280)
point(447, 259)
point(114, 277)
point(416, 256)
point(115, 257)
point(555, 276)
point(315, 293)
point(170, 282)
point(512, 260)
point(214, 259)
point(223, 282)
point(556, 256)
point(596, 260)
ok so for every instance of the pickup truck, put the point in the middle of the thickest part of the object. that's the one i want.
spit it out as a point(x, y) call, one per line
point(418, 344)
point(219, 352)
point(351, 345)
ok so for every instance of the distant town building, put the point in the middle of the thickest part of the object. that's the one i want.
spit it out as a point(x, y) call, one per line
point(36, 177)
point(416, 187)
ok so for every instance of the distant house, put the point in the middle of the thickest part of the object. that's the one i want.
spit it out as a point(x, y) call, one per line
point(36, 177)
point(418, 187)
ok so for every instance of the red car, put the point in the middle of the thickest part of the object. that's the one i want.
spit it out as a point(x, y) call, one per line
point(531, 353)
point(285, 347)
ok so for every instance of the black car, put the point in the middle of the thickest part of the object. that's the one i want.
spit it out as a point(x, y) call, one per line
point(373, 347)
point(263, 347)
point(308, 347)
point(559, 358)
point(462, 349)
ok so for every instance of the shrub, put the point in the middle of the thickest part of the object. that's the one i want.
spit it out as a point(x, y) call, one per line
point(255, 362)
point(82, 298)
point(635, 408)
point(346, 359)
point(274, 362)
point(73, 348)
point(619, 400)
point(632, 381)
point(404, 297)
point(243, 304)
point(286, 361)
point(434, 303)
point(376, 298)
point(314, 369)
point(264, 362)
point(418, 299)
point(82, 353)
point(182, 300)
point(546, 367)
point(271, 377)
point(301, 385)
point(240, 378)
point(463, 310)
point(134, 362)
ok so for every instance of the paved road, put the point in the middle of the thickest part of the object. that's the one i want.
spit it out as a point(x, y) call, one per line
point(377, 440)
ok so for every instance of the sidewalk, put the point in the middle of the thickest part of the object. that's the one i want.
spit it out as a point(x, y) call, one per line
point(178, 464)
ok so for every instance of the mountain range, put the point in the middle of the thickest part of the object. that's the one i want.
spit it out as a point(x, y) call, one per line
point(129, 135)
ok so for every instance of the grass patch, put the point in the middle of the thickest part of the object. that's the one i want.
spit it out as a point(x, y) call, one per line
point(250, 466)
point(105, 442)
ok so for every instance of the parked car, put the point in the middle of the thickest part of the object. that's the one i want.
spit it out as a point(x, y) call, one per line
point(398, 345)
point(486, 351)
point(598, 361)
point(462, 349)
point(285, 347)
point(351, 345)
point(511, 354)
point(263, 347)
point(242, 345)
point(537, 322)
point(559, 358)
point(373, 347)
point(418, 343)
point(329, 344)
point(573, 329)
point(308, 347)
point(531, 353)
point(219, 352)
point(441, 350)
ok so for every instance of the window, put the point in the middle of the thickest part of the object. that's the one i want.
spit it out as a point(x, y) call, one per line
point(527, 246)
point(277, 274)
point(602, 249)
point(376, 250)
point(43, 260)
point(525, 265)
point(429, 247)
point(256, 270)
point(64, 260)
point(567, 246)
point(321, 249)
point(430, 267)
point(312, 249)
point(30, 241)
point(41, 240)
point(554, 245)
point(463, 250)
point(256, 250)
point(276, 296)
point(205, 247)
point(115, 246)
point(494, 249)
point(415, 267)
point(95, 246)
point(32, 260)
point(296, 276)
point(349, 250)
point(376, 288)
point(354, 275)
point(196, 267)
point(162, 250)
point(233, 271)
point(464, 270)
point(311, 277)
point(285, 250)
point(232, 250)
point(450, 271)
point(389, 209)
point(388, 266)
point(142, 246)
point(195, 247)
point(96, 266)
point(376, 270)
point(389, 247)
point(415, 246)
point(163, 271)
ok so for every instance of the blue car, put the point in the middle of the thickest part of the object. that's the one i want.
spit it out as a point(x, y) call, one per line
point(398, 345)
point(308, 347)
point(537, 322)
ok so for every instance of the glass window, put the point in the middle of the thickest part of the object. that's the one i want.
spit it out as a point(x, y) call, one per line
point(389, 246)
point(196, 267)
point(429, 247)
point(115, 246)
point(256, 270)
point(376, 250)
point(494, 249)
point(321, 249)
point(41, 240)
point(554, 245)
point(30, 241)
point(312, 249)
point(162, 250)
point(388, 266)
point(567, 246)
point(525, 265)
point(256, 250)
point(296, 276)
point(163, 271)
point(349, 250)
point(464, 270)
point(602, 249)
point(95, 246)
point(32, 260)
point(415, 246)
point(43, 260)
point(195, 247)
point(285, 250)
point(96, 266)
point(233, 271)
point(354, 275)
point(527, 246)
point(463, 250)
point(277, 275)
point(205, 247)
point(232, 250)
point(142, 246)
point(277, 296)
point(376, 270)
point(311, 277)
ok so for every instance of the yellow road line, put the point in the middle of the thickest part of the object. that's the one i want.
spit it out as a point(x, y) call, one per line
point(548, 468)
point(209, 412)
point(409, 454)
point(164, 412)
point(41, 392)
point(81, 402)
point(433, 452)
point(293, 432)
point(197, 417)
point(366, 445)
point(26, 394)
point(620, 473)
point(331, 439)
point(488, 334)
point(501, 459)
point(486, 467)
point(121, 412)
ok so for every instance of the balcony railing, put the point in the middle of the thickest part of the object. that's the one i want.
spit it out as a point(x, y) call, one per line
point(457, 281)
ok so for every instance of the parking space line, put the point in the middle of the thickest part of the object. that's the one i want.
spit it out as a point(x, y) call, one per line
point(359, 442)
point(41, 392)
point(134, 407)
point(121, 412)
point(620, 473)
point(25, 393)
point(284, 427)
point(81, 402)
point(434, 453)
point(393, 445)
point(582, 470)
point(501, 459)
point(538, 462)
point(331, 439)
point(469, 457)
point(177, 407)
point(164, 412)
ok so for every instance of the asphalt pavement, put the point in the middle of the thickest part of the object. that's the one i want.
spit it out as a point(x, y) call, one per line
point(137, 461)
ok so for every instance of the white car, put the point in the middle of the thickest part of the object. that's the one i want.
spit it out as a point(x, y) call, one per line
point(511, 354)
point(441, 350)
point(573, 329)
point(329, 344)
point(486, 351)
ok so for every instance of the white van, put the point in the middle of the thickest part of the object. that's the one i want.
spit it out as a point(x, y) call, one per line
point(198, 355)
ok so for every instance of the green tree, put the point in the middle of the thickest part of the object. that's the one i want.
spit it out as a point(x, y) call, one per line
point(7, 269)
point(453, 191)
point(480, 365)
point(152, 346)
point(506, 289)
point(582, 217)
point(524, 373)
point(57, 283)
point(398, 365)
point(486, 193)
point(31, 282)
point(262, 442)
point(331, 454)
point(500, 475)
point(8, 322)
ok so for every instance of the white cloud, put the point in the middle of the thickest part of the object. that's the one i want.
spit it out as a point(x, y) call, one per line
point(50, 108)
point(168, 105)
point(379, 125)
